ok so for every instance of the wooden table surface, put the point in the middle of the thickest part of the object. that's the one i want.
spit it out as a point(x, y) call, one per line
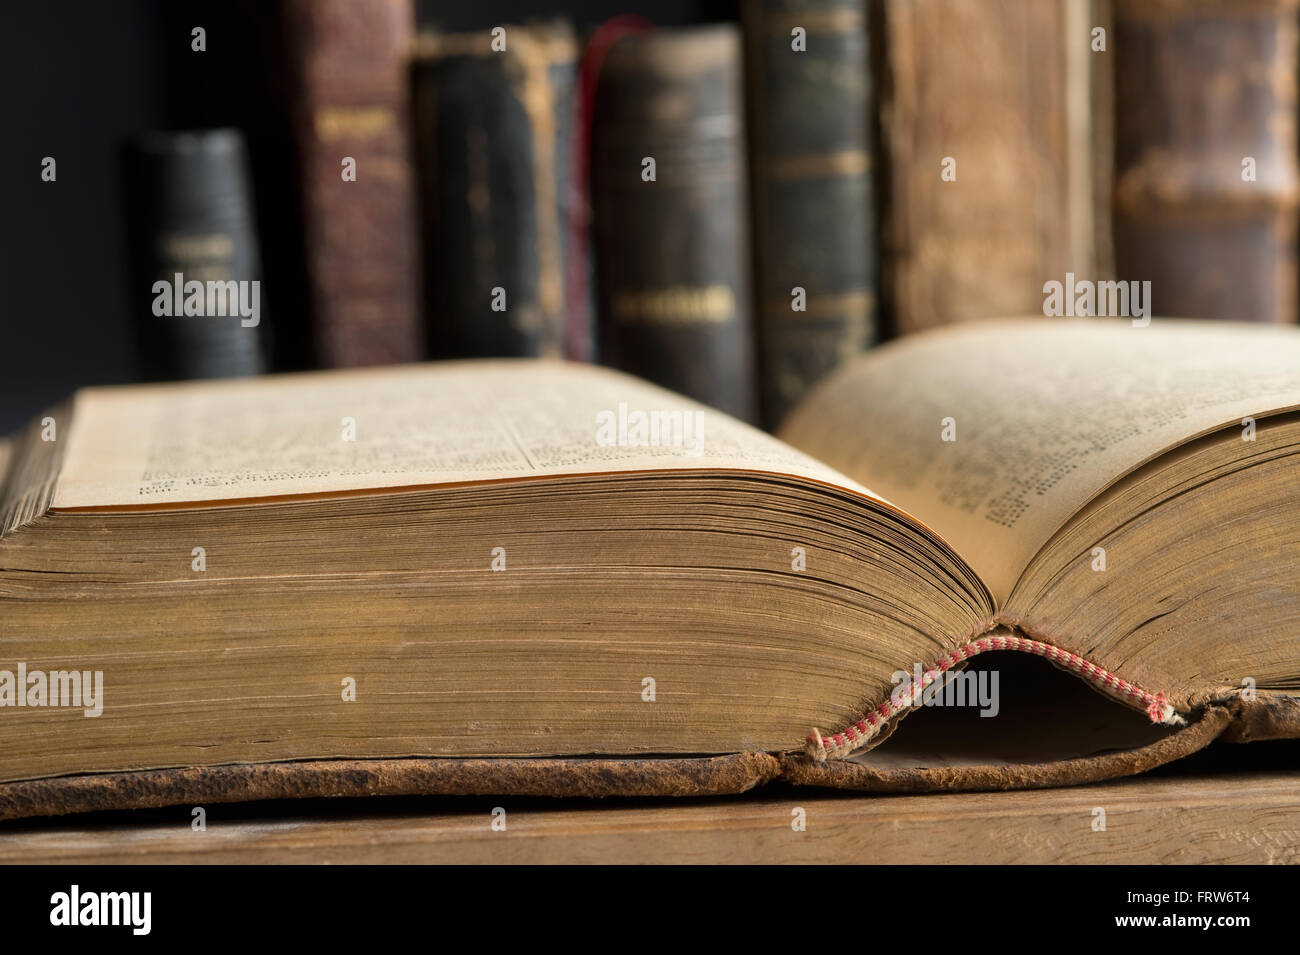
point(1251, 817)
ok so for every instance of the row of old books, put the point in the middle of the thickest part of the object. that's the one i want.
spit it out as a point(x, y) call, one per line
point(729, 210)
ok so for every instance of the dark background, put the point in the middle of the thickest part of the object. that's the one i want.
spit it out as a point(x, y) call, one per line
point(78, 79)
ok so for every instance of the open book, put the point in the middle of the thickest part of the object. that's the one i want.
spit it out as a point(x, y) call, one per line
point(536, 577)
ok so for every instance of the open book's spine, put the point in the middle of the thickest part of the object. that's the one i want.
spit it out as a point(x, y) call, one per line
point(810, 149)
point(1206, 179)
point(863, 731)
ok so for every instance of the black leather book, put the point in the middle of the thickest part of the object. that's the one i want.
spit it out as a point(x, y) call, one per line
point(492, 134)
point(196, 293)
point(670, 196)
point(814, 237)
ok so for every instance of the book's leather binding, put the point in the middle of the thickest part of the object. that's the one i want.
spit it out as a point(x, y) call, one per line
point(1206, 178)
point(348, 85)
point(192, 215)
point(810, 111)
point(670, 204)
point(848, 774)
point(493, 140)
point(669, 776)
point(595, 777)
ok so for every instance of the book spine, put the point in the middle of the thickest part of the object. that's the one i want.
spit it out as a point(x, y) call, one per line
point(810, 108)
point(1206, 176)
point(191, 221)
point(986, 159)
point(671, 233)
point(578, 284)
point(1100, 119)
point(493, 177)
point(349, 79)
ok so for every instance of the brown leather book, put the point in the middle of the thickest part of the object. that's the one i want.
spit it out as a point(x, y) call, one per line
point(536, 577)
point(349, 99)
point(987, 133)
point(670, 198)
point(810, 128)
point(1206, 181)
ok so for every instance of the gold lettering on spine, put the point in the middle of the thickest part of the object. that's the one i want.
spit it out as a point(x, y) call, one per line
point(678, 305)
point(335, 122)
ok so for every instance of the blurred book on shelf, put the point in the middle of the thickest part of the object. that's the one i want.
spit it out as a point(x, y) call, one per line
point(196, 270)
point(346, 81)
point(734, 212)
point(1206, 182)
point(494, 136)
point(671, 234)
point(810, 123)
point(988, 122)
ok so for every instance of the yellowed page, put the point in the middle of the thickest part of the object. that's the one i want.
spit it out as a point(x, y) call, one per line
point(1044, 414)
point(338, 431)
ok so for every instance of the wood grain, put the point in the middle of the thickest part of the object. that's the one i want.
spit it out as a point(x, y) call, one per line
point(1227, 818)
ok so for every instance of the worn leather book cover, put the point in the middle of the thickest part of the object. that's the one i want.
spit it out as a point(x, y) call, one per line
point(1206, 181)
point(591, 777)
point(191, 219)
point(670, 203)
point(347, 83)
point(811, 115)
point(987, 139)
point(493, 131)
